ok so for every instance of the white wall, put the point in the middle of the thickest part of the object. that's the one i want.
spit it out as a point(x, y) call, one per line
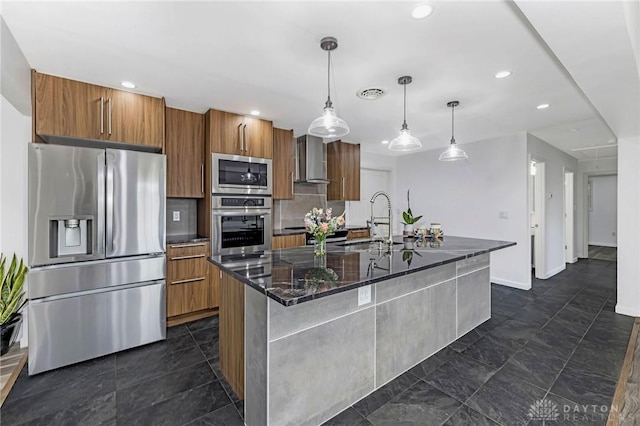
point(467, 196)
point(15, 133)
point(603, 219)
point(556, 162)
point(628, 226)
point(586, 168)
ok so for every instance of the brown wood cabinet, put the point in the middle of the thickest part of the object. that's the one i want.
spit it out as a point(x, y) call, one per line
point(288, 241)
point(188, 288)
point(238, 135)
point(343, 171)
point(357, 234)
point(68, 108)
point(214, 281)
point(283, 149)
point(184, 135)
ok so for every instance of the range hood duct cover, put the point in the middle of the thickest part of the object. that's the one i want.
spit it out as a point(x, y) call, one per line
point(310, 155)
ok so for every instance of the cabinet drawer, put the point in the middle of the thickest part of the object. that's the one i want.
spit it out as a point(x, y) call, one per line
point(190, 296)
point(187, 251)
point(187, 270)
point(358, 234)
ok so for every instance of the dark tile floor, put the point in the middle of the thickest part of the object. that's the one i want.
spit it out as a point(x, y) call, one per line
point(603, 253)
point(560, 341)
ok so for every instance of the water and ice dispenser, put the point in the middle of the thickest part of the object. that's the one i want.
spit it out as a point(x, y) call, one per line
point(70, 236)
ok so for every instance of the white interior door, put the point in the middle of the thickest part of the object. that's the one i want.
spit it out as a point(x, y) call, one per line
point(371, 181)
point(538, 221)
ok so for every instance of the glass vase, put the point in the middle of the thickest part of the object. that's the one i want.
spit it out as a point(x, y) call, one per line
point(320, 245)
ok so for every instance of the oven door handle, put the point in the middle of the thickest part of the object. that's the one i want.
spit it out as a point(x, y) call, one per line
point(245, 212)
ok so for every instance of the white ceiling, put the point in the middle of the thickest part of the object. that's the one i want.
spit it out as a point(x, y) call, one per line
point(239, 56)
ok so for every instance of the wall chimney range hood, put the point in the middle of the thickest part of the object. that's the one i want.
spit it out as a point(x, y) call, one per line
point(310, 160)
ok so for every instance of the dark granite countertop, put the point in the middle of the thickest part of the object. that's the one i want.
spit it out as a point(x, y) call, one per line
point(295, 275)
point(185, 238)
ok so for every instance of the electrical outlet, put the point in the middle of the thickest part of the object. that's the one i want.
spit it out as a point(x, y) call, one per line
point(364, 295)
point(613, 234)
point(503, 215)
point(176, 216)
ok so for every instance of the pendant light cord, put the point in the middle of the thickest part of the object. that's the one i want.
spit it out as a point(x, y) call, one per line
point(404, 113)
point(329, 103)
point(453, 140)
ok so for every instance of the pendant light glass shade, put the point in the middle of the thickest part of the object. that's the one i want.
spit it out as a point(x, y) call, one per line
point(405, 142)
point(328, 125)
point(453, 153)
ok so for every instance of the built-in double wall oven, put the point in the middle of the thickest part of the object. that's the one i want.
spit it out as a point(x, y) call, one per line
point(240, 204)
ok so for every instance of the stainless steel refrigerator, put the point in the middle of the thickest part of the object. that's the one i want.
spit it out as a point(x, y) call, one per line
point(96, 252)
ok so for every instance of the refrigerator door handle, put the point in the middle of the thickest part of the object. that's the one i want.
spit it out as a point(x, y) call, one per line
point(98, 244)
point(109, 205)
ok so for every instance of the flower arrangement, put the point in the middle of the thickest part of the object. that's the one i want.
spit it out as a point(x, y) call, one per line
point(320, 223)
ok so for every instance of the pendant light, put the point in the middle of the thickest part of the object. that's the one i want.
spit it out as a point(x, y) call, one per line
point(328, 125)
point(453, 153)
point(405, 142)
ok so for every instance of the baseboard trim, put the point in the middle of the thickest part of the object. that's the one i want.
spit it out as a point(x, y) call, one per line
point(555, 271)
point(625, 310)
point(603, 244)
point(508, 283)
point(575, 259)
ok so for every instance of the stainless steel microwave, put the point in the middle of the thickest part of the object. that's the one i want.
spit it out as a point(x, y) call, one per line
point(237, 174)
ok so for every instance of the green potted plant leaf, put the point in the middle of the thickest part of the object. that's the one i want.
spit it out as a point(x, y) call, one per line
point(408, 219)
point(11, 300)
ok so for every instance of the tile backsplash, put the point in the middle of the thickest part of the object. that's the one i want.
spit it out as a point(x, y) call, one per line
point(188, 223)
point(288, 213)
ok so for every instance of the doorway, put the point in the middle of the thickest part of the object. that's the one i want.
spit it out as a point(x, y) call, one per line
point(537, 217)
point(569, 209)
point(602, 220)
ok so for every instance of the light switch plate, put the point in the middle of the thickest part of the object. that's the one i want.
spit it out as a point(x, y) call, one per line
point(503, 215)
point(364, 295)
point(176, 216)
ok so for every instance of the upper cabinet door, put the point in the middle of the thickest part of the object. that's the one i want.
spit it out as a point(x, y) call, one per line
point(68, 108)
point(74, 109)
point(135, 119)
point(343, 171)
point(283, 146)
point(235, 134)
point(185, 153)
point(258, 138)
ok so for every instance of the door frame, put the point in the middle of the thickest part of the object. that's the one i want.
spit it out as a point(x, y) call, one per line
point(568, 223)
point(585, 207)
point(539, 238)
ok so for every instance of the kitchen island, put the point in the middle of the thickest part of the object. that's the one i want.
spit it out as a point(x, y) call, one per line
point(311, 336)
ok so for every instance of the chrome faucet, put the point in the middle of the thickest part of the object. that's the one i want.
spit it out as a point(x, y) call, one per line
point(373, 223)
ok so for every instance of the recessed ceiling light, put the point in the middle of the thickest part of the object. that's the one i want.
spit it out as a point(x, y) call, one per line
point(574, 130)
point(255, 112)
point(127, 84)
point(502, 74)
point(543, 106)
point(384, 142)
point(422, 11)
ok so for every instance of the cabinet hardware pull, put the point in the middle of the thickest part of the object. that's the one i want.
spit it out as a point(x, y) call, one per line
point(202, 178)
point(240, 142)
point(101, 114)
point(195, 256)
point(343, 196)
point(190, 280)
point(109, 122)
point(244, 138)
point(291, 183)
point(187, 245)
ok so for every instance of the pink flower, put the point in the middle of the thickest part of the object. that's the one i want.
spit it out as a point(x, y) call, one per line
point(340, 221)
point(324, 227)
